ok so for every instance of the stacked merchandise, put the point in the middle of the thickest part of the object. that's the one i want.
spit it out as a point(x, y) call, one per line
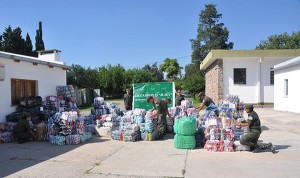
point(66, 98)
point(66, 128)
point(30, 105)
point(185, 129)
point(6, 132)
point(220, 132)
point(107, 116)
point(136, 125)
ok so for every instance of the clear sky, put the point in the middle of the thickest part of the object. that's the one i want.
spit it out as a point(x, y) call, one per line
point(134, 33)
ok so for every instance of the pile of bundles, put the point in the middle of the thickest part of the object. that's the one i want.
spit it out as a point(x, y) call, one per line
point(30, 105)
point(185, 129)
point(6, 130)
point(220, 132)
point(136, 125)
point(67, 128)
point(65, 100)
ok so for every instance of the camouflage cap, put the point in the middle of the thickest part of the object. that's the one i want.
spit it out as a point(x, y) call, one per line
point(248, 106)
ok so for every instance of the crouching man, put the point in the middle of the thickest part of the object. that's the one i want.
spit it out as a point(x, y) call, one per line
point(22, 131)
point(252, 137)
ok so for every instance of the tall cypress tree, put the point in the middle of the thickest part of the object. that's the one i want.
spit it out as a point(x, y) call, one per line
point(39, 43)
point(28, 46)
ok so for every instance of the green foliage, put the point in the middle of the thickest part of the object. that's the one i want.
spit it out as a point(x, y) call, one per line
point(211, 34)
point(28, 46)
point(39, 43)
point(12, 41)
point(194, 79)
point(76, 76)
point(136, 76)
point(281, 41)
point(156, 74)
point(171, 67)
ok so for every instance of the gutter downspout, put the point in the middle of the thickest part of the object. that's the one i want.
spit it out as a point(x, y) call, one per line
point(261, 91)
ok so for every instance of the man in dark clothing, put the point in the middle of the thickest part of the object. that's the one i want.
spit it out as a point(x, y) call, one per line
point(208, 102)
point(22, 131)
point(128, 100)
point(178, 97)
point(162, 110)
point(252, 137)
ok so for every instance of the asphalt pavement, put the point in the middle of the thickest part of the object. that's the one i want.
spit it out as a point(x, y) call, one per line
point(104, 157)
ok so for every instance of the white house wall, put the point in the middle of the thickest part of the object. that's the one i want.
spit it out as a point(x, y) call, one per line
point(267, 88)
point(47, 80)
point(253, 91)
point(248, 93)
point(291, 102)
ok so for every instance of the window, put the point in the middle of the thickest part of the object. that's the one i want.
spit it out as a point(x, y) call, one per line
point(271, 76)
point(286, 87)
point(239, 75)
point(22, 88)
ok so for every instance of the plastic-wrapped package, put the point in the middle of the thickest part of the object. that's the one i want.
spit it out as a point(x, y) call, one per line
point(72, 139)
point(185, 126)
point(229, 146)
point(239, 147)
point(184, 142)
point(58, 140)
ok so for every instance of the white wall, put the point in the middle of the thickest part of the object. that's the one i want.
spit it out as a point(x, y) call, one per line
point(291, 102)
point(248, 93)
point(268, 89)
point(47, 80)
point(258, 88)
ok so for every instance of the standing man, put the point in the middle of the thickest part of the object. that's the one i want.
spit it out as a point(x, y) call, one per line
point(208, 102)
point(178, 97)
point(128, 99)
point(251, 138)
point(162, 110)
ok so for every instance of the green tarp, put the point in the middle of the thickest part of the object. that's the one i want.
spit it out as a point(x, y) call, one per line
point(162, 90)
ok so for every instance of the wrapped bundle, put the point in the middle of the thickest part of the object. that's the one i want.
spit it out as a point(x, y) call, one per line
point(6, 137)
point(86, 136)
point(185, 126)
point(58, 140)
point(228, 146)
point(212, 145)
point(239, 147)
point(229, 134)
point(184, 142)
point(185, 104)
point(72, 139)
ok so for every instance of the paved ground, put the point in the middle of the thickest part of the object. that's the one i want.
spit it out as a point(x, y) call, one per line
point(103, 157)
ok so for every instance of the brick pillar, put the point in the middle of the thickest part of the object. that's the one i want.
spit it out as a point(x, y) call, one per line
point(214, 81)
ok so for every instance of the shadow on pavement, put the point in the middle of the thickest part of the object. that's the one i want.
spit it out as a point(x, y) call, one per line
point(16, 157)
point(281, 147)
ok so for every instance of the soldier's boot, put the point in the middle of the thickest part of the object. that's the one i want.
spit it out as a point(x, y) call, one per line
point(270, 147)
point(257, 149)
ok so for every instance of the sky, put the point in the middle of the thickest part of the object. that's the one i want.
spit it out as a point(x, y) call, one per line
point(134, 33)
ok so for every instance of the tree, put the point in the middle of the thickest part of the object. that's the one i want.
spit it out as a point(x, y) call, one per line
point(281, 41)
point(211, 34)
point(76, 76)
point(28, 46)
point(39, 43)
point(171, 67)
point(1, 43)
point(194, 79)
point(136, 75)
point(12, 41)
point(157, 75)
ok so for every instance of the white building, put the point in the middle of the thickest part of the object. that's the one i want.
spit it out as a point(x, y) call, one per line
point(246, 73)
point(24, 76)
point(287, 86)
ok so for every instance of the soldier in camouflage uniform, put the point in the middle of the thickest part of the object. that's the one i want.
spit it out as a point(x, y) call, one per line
point(22, 131)
point(162, 110)
point(251, 138)
point(178, 98)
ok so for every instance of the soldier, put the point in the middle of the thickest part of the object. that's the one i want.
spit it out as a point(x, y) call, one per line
point(162, 110)
point(208, 102)
point(251, 138)
point(178, 97)
point(22, 131)
point(128, 99)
